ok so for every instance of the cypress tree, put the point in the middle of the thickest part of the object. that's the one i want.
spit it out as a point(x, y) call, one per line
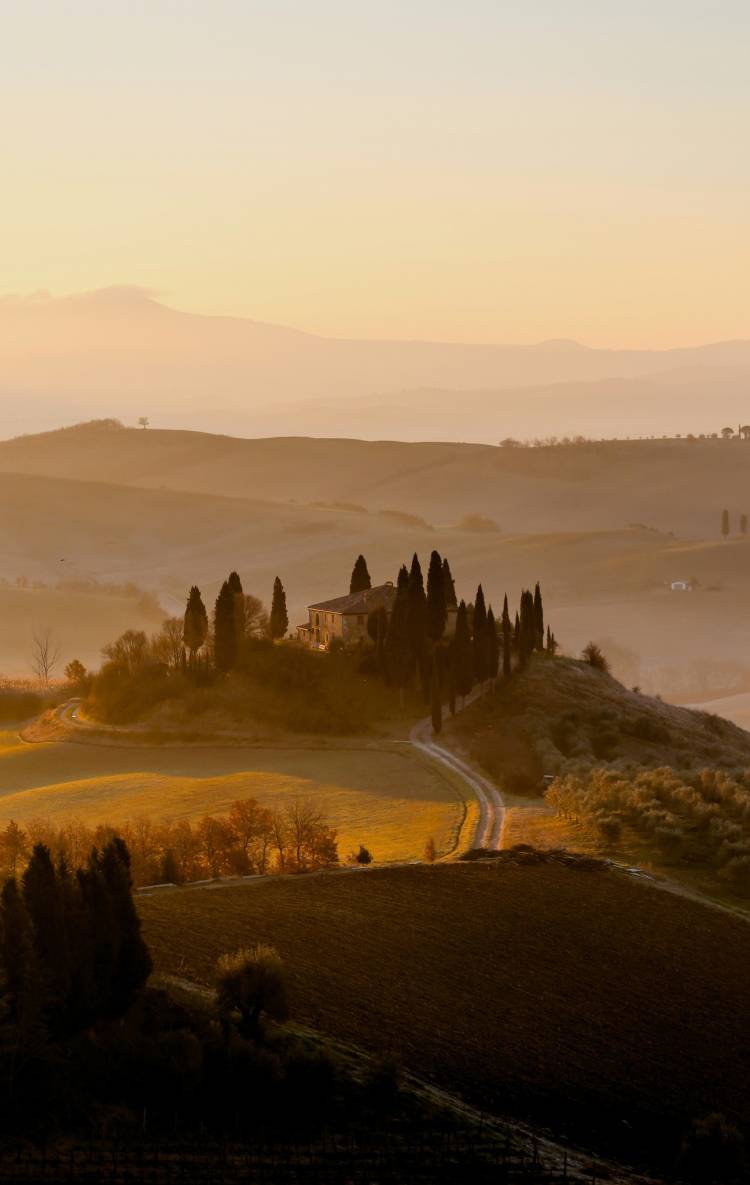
point(517, 633)
point(398, 658)
point(449, 586)
point(493, 650)
point(195, 630)
point(551, 642)
point(725, 523)
point(360, 578)
point(506, 640)
point(437, 608)
point(417, 611)
point(436, 697)
point(279, 620)
point(479, 640)
point(527, 630)
point(464, 655)
point(402, 581)
point(538, 618)
point(21, 982)
point(44, 905)
point(452, 680)
point(238, 605)
point(133, 964)
point(225, 630)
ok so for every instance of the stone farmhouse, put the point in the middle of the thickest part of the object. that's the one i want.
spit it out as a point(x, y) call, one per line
point(344, 617)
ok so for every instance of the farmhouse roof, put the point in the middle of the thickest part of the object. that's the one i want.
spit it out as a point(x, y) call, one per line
point(360, 602)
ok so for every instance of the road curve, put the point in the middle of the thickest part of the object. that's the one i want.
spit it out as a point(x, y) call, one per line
point(489, 829)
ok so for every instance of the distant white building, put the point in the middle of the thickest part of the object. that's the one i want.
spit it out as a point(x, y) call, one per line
point(680, 586)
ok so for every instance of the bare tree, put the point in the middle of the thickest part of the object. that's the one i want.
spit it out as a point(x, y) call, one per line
point(45, 655)
point(256, 617)
point(168, 646)
point(143, 421)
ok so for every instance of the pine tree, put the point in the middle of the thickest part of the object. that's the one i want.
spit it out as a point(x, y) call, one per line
point(195, 630)
point(493, 649)
point(479, 641)
point(463, 651)
point(506, 639)
point(725, 523)
point(20, 972)
point(360, 578)
point(437, 608)
point(436, 695)
point(398, 658)
point(538, 618)
point(417, 611)
point(449, 586)
point(225, 631)
point(279, 620)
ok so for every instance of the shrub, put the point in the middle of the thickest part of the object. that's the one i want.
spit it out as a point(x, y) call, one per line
point(251, 982)
point(592, 654)
point(712, 1151)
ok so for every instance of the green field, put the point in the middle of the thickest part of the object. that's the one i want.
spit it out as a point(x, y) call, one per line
point(388, 798)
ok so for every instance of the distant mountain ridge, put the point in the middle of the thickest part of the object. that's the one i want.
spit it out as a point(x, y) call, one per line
point(120, 352)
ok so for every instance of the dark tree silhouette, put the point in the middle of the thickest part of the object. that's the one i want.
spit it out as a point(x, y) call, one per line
point(506, 639)
point(449, 586)
point(436, 694)
point(464, 653)
point(225, 633)
point(493, 649)
point(437, 608)
point(398, 657)
point(479, 629)
point(279, 620)
point(360, 578)
point(725, 523)
point(417, 611)
point(538, 619)
point(195, 628)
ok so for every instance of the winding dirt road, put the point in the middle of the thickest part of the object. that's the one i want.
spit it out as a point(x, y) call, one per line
point(489, 829)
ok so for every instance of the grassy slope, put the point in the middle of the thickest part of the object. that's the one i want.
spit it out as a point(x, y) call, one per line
point(561, 715)
point(390, 800)
point(576, 999)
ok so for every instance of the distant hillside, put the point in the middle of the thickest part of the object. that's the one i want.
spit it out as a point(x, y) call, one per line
point(605, 584)
point(673, 485)
point(119, 352)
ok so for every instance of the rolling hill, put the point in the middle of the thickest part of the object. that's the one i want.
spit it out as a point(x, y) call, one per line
point(169, 509)
point(63, 359)
point(570, 998)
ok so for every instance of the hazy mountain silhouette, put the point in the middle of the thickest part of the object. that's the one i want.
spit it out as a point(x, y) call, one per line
point(120, 352)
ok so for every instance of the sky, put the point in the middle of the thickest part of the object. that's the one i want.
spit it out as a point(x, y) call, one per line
point(483, 171)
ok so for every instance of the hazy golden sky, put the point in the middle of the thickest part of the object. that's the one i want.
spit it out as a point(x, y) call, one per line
point(479, 171)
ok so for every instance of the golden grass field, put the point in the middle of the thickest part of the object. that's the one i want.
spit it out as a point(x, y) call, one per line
point(390, 799)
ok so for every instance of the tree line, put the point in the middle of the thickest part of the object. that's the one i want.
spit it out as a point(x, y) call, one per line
point(413, 641)
point(248, 839)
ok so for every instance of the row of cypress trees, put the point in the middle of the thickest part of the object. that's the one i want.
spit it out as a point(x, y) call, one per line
point(229, 628)
point(412, 640)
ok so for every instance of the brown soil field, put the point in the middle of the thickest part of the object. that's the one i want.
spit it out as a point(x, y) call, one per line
point(578, 1000)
